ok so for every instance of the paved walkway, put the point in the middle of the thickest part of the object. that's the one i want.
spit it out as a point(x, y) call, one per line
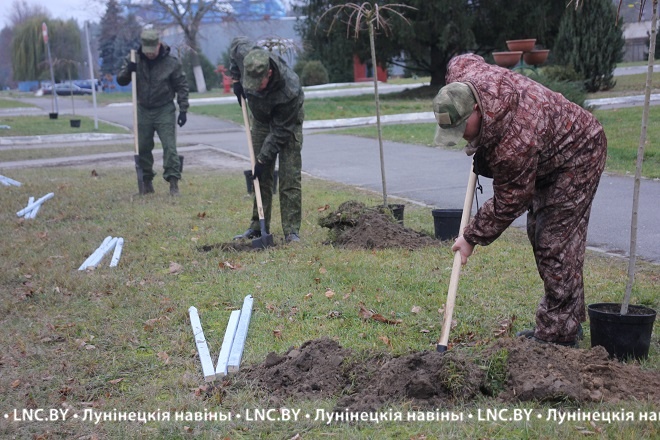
point(418, 174)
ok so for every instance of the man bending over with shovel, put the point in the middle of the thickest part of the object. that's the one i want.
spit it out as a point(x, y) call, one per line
point(545, 155)
point(159, 76)
point(275, 98)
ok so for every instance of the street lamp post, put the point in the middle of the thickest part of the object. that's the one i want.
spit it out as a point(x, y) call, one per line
point(44, 32)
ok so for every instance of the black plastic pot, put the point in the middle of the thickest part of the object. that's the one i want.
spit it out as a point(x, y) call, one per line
point(393, 209)
point(52, 115)
point(623, 336)
point(250, 185)
point(446, 222)
point(397, 212)
point(75, 123)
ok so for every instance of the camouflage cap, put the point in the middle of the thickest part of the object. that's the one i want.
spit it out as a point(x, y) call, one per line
point(150, 40)
point(255, 66)
point(452, 106)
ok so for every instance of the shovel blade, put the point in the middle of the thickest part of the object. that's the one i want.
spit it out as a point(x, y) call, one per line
point(263, 242)
point(140, 174)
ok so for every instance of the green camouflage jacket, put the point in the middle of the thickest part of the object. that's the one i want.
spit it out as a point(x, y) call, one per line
point(280, 105)
point(158, 80)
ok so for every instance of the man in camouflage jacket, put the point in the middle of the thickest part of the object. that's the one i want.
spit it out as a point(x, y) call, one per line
point(275, 99)
point(545, 155)
point(159, 77)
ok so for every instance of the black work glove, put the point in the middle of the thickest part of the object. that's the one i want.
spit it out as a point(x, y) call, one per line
point(132, 67)
point(238, 91)
point(182, 119)
point(258, 170)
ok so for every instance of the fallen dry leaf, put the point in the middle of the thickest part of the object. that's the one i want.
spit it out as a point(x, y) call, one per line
point(308, 296)
point(277, 333)
point(364, 313)
point(175, 268)
point(506, 327)
point(16, 383)
point(386, 340)
point(323, 208)
point(416, 309)
point(163, 357)
point(116, 381)
point(329, 293)
point(94, 173)
point(201, 214)
point(229, 265)
point(323, 270)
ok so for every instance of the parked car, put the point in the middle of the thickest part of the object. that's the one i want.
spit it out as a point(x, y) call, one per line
point(66, 89)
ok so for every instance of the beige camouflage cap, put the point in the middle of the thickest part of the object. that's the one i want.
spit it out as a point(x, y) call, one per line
point(452, 107)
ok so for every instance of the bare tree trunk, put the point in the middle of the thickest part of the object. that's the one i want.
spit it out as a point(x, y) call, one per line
point(197, 72)
point(640, 161)
point(380, 130)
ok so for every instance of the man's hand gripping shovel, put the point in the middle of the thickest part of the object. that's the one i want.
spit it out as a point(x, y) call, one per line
point(456, 268)
point(266, 239)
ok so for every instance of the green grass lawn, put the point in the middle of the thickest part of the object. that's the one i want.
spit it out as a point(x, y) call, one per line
point(119, 339)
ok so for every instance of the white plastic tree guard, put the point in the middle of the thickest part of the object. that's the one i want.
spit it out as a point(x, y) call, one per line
point(109, 243)
point(33, 205)
point(202, 346)
point(6, 181)
point(230, 333)
point(241, 335)
point(117, 253)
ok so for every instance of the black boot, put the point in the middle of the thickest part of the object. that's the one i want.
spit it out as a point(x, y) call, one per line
point(174, 186)
point(148, 187)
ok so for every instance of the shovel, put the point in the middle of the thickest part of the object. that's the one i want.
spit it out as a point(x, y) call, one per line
point(266, 239)
point(456, 269)
point(136, 157)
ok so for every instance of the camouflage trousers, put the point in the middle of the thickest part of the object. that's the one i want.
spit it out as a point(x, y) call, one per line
point(557, 229)
point(289, 176)
point(159, 120)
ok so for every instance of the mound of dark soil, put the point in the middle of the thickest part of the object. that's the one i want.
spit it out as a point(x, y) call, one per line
point(355, 226)
point(366, 382)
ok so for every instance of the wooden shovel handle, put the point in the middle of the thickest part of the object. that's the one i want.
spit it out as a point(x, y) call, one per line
point(456, 268)
point(257, 188)
point(135, 112)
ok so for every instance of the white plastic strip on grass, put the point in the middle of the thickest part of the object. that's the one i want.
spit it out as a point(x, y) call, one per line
point(106, 240)
point(33, 213)
point(202, 346)
point(31, 206)
point(241, 335)
point(6, 181)
point(104, 250)
point(227, 342)
point(117, 253)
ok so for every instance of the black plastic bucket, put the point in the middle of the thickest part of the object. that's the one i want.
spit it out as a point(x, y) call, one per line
point(250, 184)
point(623, 336)
point(75, 123)
point(447, 222)
point(52, 115)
